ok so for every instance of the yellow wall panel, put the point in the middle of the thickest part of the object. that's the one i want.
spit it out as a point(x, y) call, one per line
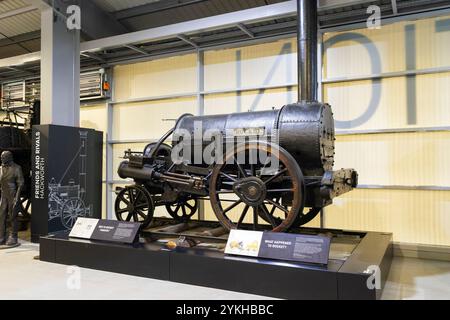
point(94, 117)
point(350, 100)
point(156, 78)
point(409, 159)
point(413, 216)
point(419, 43)
point(263, 64)
point(228, 103)
point(144, 120)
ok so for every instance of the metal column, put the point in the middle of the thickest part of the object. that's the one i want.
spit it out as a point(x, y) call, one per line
point(201, 109)
point(60, 71)
point(307, 49)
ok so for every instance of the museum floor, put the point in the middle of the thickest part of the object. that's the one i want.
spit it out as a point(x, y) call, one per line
point(23, 277)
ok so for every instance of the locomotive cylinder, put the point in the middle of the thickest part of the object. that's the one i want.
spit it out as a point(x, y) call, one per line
point(305, 130)
point(142, 174)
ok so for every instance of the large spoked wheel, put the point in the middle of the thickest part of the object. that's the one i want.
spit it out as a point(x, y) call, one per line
point(183, 210)
point(71, 210)
point(134, 203)
point(304, 217)
point(249, 180)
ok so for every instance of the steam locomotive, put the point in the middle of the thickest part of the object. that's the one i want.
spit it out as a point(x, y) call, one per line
point(276, 171)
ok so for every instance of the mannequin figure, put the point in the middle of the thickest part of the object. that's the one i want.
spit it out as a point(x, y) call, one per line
point(11, 185)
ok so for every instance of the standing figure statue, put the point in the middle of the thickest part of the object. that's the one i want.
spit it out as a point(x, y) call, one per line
point(11, 185)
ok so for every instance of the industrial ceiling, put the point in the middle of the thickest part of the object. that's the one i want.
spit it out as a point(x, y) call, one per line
point(20, 26)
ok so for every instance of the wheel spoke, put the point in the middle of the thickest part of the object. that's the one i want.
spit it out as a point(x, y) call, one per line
point(268, 216)
point(224, 191)
point(121, 211)
point(277, 205)
point(142, 214)
point(253, 170)
point(255, 217)
point(183, 209)
point(121, 197)
point(142, 206)
point(228, 176)
point(275, 176)
point(189, 206)
point(241, 170)
point(280, 190)
point(177, 209)
point(131, 195)
point(129, 216)
point(136, 200)
point(241, 218)
point(272, 211)
point(232, 206)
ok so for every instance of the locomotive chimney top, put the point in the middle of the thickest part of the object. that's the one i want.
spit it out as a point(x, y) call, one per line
point(307, 49)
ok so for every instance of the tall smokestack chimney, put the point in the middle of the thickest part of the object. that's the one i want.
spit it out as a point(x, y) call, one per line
point(307, 49)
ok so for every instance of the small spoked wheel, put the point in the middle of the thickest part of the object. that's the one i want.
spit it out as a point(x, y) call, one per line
point(245, 187)
point(71, 210)
point(134, 203)
point(183, 210)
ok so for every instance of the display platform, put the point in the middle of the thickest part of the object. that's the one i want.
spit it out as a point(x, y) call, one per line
point(352, 254)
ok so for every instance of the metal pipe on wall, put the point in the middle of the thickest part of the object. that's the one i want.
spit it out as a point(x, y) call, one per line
point(307, 49)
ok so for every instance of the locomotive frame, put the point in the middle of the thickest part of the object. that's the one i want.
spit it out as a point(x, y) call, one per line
point(287, 195)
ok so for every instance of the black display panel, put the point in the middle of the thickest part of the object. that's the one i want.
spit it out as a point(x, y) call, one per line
point(66, 177)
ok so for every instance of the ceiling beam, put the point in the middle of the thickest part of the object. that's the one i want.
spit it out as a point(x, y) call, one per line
point(39, 4)
point(93, 56)
point(15, 12)
point(17, 69)
point(152, 8)
point(245, 30)
point(282, 9)
point(394, 6)
point(34, 35)
point(137, 49)
point(20, 60)
point(187, 40)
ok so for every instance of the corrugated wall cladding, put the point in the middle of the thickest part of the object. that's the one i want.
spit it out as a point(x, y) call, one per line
point(354, 53)
point(156, 78)
point(401, 159)
point(413, 216)
point(431, 95)
point(393, 159)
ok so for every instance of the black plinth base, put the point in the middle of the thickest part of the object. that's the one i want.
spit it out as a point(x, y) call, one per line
point(341, 279)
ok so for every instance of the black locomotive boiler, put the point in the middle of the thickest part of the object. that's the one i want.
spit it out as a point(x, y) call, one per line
point(278, 172)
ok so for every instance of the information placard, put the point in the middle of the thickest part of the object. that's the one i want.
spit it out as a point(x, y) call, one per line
point(279, 246)
point(106, 230)
point(83, 228)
